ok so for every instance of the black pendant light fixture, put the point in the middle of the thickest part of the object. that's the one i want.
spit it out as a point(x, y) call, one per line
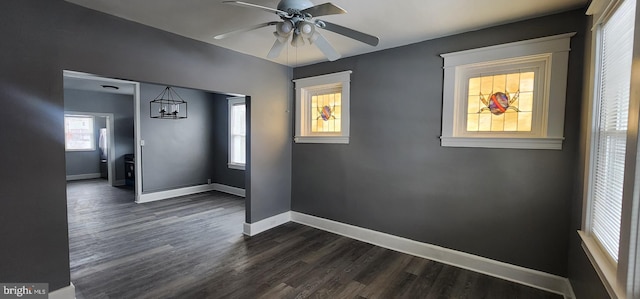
point(169, 105)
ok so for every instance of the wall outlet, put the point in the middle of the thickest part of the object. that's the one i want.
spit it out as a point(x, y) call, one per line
point(209, 181)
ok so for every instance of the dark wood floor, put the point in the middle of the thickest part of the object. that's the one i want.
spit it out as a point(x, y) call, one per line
point(193, 247)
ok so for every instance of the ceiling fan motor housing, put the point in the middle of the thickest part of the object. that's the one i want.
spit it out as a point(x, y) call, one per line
point(291, 6)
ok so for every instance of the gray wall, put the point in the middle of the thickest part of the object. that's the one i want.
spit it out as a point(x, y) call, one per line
point(178, 152)
point(43, 38)
point(222, 173)
point(395, 177)
point(186, 152)
point(101, 102)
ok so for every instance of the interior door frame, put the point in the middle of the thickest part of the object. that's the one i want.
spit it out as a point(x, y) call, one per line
point(111, 162)
point(136, 121)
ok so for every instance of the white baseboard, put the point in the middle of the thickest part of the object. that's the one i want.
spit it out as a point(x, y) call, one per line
point(155, 196)
point(525, 276)
point(86, 176)
point(68, 292)
point(252, 229)
point(229, 189)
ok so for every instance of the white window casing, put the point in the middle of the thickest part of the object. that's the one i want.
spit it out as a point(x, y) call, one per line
point(237, 133)
point(547, 57)
point(611, 222)
point(305, 89)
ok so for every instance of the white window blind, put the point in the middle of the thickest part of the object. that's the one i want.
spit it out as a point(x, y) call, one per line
point(616, 45)
point(238, 132)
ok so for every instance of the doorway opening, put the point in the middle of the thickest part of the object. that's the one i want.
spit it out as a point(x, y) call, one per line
point(184, 158)
point(90, 151)
point(111, 108)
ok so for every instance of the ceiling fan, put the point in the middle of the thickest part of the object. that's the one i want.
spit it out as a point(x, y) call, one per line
point(299, 20)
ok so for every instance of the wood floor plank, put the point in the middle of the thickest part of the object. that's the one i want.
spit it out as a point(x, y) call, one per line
point(350, 290)
point(444, 283)
point(424, 281)
point(386, 282)
point(193, 247)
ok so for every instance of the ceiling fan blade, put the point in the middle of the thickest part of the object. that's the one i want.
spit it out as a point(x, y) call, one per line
point(225, 35)
point(324, 10)
point(324, 46)
point(277, 48)
point(348, 32)
point(251, 5)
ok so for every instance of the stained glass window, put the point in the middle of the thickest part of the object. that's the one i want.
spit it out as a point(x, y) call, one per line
point(501, 103)
point(326, 108)
point(493, 98)
point(322, 108)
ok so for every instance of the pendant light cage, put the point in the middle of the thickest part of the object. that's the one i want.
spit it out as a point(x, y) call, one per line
point(168, 105)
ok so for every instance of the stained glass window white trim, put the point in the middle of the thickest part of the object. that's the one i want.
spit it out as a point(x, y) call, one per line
point(306, 88)
point(548, 57)
point(237, 133)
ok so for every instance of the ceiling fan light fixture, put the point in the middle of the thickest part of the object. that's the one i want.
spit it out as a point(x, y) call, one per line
point(313, 38)
point(284, 28)
point(307, 29)
point(298, 17)
point(280, 38)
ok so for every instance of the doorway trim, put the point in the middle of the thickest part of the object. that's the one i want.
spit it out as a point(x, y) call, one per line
point(111, 162)
point(136, 120)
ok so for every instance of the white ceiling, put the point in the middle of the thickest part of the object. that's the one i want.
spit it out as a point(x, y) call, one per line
point(396, 23)
point(96, 84)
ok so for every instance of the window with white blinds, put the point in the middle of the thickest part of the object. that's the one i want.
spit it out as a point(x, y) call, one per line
point(237, 133)
point(612, 109)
